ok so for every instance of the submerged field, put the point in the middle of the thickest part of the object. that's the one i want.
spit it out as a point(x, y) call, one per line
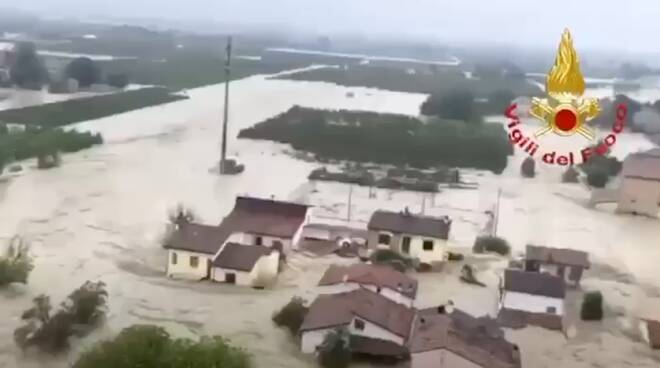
point(100, 217)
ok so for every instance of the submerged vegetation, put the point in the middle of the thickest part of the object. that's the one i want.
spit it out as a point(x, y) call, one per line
point(151, 346)
point(16, 264)
point(44, 144)
point(387, 138)
point(82, 109)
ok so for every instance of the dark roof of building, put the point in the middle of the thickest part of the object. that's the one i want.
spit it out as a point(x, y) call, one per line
point(407, 223)
point(653, 328)
point(364, 274)
point(479, 340)
point(643, 165)
point(535, 283)
point(562, 256)
point(240, 257)
point(198, 238)
point(517, 319)
point(377, 347)
point(266, 217)
point(339, 309)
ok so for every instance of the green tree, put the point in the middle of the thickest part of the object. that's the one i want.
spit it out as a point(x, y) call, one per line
point(500, 99)
point(592, 306)
point(597, 177)
point(16, 264)
point(84, 70)
point(28, 71)
point(528, 168)
point(491, 244)
point(146, 346)
point(118, 80)
point(570, 175)
point(335, 351)
point(292, 315)
point(454, 105)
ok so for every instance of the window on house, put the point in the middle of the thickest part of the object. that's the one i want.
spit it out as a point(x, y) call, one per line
point(428, 245)
point(358, 324)
point(384, 239)
point(258, 240)
point(551, 310)
point(194, 261)
point(174, 258)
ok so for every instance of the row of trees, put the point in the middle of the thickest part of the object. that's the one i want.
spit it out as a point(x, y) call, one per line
point(461, 104)
point(387, 138)
point(29, 70)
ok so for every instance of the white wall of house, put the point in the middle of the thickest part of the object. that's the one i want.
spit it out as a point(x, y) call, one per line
point(243, 278)
point(440, 358)
point(532, 303)
point(374, 331)
point(266, 269)
point(549, 268)
point(350, 286)
point(437, 254)
point(640, 196)
point(251, 239)
point(183, 269)
point(313, 338)
point(316, 233)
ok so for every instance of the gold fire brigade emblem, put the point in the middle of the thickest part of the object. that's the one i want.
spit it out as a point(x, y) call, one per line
point(565, 111)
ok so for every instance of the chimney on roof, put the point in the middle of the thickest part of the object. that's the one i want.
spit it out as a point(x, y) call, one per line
point(344, 278)
point(406, 211)
point(449, 307)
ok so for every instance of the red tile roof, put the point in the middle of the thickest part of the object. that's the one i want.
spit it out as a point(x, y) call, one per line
point(408, 223)
point(653, 328)
point(240, 257)
point(479, 340)
point(197, 238)
point(520, 319)
point(266, 217)
point(364, 274)
point(561, 256)
point(339, 309)
point(534, 283)
point(643, 165)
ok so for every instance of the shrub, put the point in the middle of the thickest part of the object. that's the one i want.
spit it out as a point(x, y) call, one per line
point(335, 351)
point(455, 256)
point(16, 265)
point(79, 313)
point(84, 70)
point(528, 168)
point(597, 178)
point(491, 244)
point(570, 175)
point(117, 80)
point(151, 346)
point(391, 258)
point(292, 315)
point(592, 306)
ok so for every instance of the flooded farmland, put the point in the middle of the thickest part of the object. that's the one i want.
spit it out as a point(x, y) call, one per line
point(101, 215)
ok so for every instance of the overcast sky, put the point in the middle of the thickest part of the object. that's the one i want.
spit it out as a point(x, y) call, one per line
point(631, 25)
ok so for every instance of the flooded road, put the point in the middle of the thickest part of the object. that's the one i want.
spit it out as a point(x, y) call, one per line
point(101, 216)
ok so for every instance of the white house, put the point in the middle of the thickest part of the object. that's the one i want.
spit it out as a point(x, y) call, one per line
point(246, 265)
point(362, 312)
point(383, 280)
point(267, 222)
point(443, 338)
point(191, 248)
point(533, 292)
point(415, 236)
point(639, 190)
point(567, 264)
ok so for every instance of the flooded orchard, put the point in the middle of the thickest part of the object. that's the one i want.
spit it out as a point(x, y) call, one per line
point(101, 215)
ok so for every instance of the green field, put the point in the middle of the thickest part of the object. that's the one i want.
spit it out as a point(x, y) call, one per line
point(425, 80)
point(82, 109)
point(387, 138)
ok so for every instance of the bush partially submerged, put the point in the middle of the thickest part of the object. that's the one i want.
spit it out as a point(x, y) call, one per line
point(151, 346)
point(570, 175)
point(528, 168)
point(592, 306)
point(491, 244)
point(16, 264)
point(335, 351)
point(77, 316)
point(292, 315)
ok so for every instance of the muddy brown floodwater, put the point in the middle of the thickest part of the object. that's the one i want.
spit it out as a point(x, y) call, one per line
point(101, 215)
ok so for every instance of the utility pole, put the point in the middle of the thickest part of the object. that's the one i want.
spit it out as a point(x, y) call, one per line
point(497, 211)
point(223, 156)
point(350, 200)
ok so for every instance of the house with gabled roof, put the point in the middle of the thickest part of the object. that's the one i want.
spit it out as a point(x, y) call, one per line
point(362, 312)
point(568, 264)
point(445, 337)
point(639, 189)
point(531, 298)
point(195, 251)
point(412, 235)
point(380, 279)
